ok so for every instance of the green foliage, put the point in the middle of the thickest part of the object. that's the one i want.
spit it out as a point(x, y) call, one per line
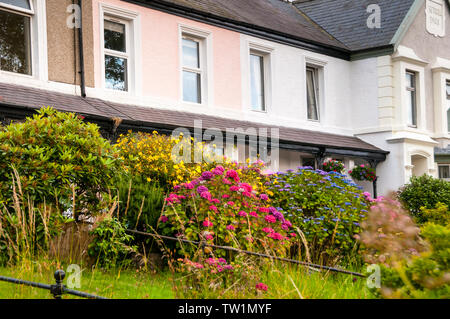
point(439, 215)
point(363, 173)
point(141, 202)
point(424, 276)
point(327, 207)
point(333, 166)
point(53, 152)
point(424, 191)
point(109, 245)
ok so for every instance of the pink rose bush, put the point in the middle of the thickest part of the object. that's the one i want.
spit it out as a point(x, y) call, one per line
point(224, 209)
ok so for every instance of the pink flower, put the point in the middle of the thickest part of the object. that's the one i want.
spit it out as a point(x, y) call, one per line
point(270, 219)
point(230, 203)
point(242, 213)
point(225, 196)
point(212, 207)
point(206, 195)
point(233, 175)
point(207, 175)
point(207, 223)
point(164, 219)
point(226, 181)
point(261, 286)
point(268, 230)
point(275, 236)
point(293, 234)
point(254, 214)
point(209, 237)
point(263, 209)
point(189, 186)
point(215, 201)
point(234, 189)
point(264, 197)
point(231, 227)
point(246, 187)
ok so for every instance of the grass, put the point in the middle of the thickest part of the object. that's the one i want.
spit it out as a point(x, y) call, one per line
point(285, 281)
point(125, 284)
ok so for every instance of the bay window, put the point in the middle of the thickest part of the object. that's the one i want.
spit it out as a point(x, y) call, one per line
point(15, 39)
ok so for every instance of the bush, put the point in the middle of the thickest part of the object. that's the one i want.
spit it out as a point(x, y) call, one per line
point(109, 246)
point(221, 207)
point(53, 152)
point(150, 157)
point(141, 202)
point(439, 215)
point(326, 206)
point(424, 191)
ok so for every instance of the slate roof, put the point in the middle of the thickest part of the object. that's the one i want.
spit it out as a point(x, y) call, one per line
point(21, 96)
point(346, 20)
point(274, 15)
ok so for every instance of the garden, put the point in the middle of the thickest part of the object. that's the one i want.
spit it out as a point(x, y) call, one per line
point(140, 224)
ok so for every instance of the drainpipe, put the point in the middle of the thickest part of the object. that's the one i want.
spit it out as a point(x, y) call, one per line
point(81, 52)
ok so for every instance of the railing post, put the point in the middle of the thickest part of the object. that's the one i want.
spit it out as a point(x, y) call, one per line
point(58, 289)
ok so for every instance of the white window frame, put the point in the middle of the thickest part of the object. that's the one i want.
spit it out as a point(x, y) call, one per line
point(131, 20)
point(408, 90)
point(267, 54)
point(316, 82)
point(321, 68)
point(204, 38)
point(38, 44)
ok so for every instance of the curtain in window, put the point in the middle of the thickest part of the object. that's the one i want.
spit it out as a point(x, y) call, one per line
point(257, 82)
point(313, 113)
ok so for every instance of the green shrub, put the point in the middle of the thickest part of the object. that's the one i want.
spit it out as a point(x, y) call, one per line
point(141, 202)
point(109, 246)
point(424, 191)
point(439, 215)
point(327, 207)
point(423, 277)
point(53, 152)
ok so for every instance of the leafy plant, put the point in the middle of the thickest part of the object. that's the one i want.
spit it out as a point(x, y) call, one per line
point(363, 173)
point(327, 207)
point(424, 191)
point(333, 166)
point(58, 158)
point(220, 207)
point(109, 245)
point(439, 215)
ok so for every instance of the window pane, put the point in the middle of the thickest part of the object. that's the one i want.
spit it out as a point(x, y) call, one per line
point(411, 102)
point(25, 4)
point(191, 87)
point(444, 172)
point(410, 80)
point(313, 113)
point(257, 82)
point(191, 55)
point(115, 36)
point(15, 53)
point(448, 90)
point(116, 73)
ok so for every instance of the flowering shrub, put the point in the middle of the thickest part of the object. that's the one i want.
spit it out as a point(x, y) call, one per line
point(214, 277)
point(412, 266)
point(389, 232)
point(327, 207)
point(333, 166)
point(221, 207)
point(150, 157)
point(363, 173)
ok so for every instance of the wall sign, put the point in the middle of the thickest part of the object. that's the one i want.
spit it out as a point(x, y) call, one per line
point(435, 13)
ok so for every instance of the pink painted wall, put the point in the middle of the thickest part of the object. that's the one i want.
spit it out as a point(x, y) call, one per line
point(161, 55)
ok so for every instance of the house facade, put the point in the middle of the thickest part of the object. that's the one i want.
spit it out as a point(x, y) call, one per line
point(338, 79)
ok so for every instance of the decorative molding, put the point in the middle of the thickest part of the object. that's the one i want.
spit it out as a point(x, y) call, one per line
point(435, 17)
point(406, 54)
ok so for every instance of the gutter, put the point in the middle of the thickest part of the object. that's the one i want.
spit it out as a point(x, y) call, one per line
point(81, 53)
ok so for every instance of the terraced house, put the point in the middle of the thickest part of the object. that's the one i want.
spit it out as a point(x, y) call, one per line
point(355, 80)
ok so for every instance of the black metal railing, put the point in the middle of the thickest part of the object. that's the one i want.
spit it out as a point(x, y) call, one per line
point(57, 290)
point(293, 261)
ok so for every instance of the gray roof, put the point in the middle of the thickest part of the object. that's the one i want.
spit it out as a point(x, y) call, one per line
point(273, 15)
point(346, 20)
point(20, 96)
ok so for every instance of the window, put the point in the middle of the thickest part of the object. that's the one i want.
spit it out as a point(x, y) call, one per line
point(257, 85)
point(312, 89)
point(448, 89)
point(192, 70)
point(116, 54)
point(444, 171)
point(15, 39)
point(411, 99)
point(309, 162)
